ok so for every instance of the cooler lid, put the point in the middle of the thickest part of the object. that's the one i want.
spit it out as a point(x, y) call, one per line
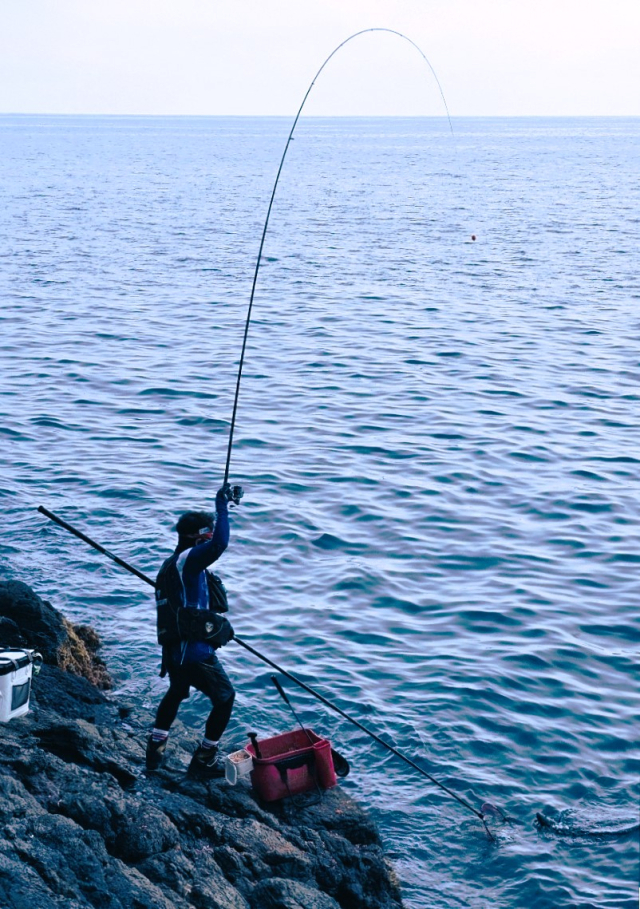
point(10, 660)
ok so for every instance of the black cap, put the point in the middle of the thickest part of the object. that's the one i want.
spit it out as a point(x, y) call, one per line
point(193, 523)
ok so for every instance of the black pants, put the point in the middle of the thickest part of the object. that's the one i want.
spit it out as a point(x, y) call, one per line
point(208, 677)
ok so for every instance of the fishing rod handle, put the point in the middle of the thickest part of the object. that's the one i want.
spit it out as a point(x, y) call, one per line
point(254, 741)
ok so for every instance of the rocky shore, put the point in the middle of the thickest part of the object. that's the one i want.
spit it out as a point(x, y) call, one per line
point(84, 825)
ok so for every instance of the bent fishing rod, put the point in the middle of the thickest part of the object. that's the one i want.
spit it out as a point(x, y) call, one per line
point(273, 195)
point(316, 694)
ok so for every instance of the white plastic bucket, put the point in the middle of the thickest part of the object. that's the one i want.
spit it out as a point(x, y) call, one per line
point(16, 669)
point(237, 765)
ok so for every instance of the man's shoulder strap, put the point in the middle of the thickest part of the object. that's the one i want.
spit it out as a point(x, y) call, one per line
point(169, 599)
point(169, 590)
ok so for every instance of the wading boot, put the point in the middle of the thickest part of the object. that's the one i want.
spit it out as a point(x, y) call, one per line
point(155, 752)
point(206, 763)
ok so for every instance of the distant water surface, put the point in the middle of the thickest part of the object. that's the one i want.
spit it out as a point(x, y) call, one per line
point(438, 439)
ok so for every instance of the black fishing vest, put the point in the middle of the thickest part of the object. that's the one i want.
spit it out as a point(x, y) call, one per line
point(177, 623)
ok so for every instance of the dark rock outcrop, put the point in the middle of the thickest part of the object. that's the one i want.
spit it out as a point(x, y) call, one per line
point(28, 621)
point(85, 826)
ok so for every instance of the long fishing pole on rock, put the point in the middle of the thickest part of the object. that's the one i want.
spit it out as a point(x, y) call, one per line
point(480, 814)
point(273, 195)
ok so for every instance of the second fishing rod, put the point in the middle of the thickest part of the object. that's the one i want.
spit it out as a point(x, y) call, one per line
point(312, 691)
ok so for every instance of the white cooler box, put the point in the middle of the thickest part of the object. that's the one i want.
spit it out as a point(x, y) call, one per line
point(16, 669)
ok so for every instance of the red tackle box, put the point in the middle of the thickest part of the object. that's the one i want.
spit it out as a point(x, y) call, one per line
point(291, 763)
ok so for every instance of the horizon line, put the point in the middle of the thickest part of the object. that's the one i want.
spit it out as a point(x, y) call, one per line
point(323, 116)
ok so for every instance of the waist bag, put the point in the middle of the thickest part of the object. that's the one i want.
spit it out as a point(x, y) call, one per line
point(203, 625)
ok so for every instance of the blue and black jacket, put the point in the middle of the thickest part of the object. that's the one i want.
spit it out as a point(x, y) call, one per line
point(191, 563)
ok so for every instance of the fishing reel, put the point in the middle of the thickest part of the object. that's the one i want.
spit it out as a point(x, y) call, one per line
point(233, 493)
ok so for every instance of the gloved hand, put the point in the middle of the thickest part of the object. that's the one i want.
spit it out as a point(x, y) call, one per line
point(232, 493)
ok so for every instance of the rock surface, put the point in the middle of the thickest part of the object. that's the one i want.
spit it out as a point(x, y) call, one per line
point(85, 826)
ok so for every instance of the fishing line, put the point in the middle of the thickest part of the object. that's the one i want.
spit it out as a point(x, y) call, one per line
point(273, 194)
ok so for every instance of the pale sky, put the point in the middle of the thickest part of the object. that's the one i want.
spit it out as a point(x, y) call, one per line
point(257, 57)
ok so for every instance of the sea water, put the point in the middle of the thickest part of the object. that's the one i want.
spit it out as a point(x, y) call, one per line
point(438, 438)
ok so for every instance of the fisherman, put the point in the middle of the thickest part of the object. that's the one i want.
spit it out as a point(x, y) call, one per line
point(189, 599)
